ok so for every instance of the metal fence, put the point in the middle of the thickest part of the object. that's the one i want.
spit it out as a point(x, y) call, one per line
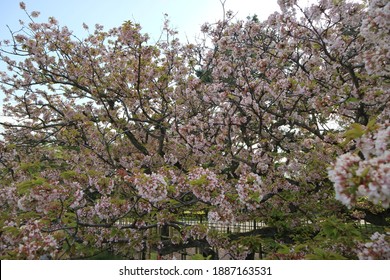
point(236, 227)
point(245, 226)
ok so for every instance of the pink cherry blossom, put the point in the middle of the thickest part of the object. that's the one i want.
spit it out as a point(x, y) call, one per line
point(113, 142)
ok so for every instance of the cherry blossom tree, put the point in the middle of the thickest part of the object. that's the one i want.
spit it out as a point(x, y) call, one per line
point(283, 121)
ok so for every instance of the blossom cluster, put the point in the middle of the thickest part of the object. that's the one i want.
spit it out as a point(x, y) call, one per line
point(223, 214)
point(250, 190)
point(196, 232)
point(206, 186)
point(106, 210)
point(377, 249)
point(369, 177)
point(374, 28)
point(152, 187)
point(35, 244)
point(341, 176)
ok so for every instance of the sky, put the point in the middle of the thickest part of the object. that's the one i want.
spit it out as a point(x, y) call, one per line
point(185, 15)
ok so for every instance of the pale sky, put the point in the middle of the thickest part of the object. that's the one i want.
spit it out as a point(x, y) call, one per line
point(185, 15)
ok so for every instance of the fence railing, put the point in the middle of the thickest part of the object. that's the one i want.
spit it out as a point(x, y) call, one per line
point(244, 226)
point(235, 227)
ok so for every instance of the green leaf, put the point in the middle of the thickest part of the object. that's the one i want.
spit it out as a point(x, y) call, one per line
point(365, 172)
point(255, 197)
point(198, 257)
point(69, 174)
point(352, 100)
point(26, 186)
point(372, 124)
point(199, 182)
point(284, 249)
point(356, 131)
point(11, 230)
point(31, 167)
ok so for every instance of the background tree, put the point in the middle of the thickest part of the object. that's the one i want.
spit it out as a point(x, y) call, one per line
point(243, 126)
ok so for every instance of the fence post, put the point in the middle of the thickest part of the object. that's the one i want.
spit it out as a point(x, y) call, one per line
point(260, 252)
point(184, 255)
